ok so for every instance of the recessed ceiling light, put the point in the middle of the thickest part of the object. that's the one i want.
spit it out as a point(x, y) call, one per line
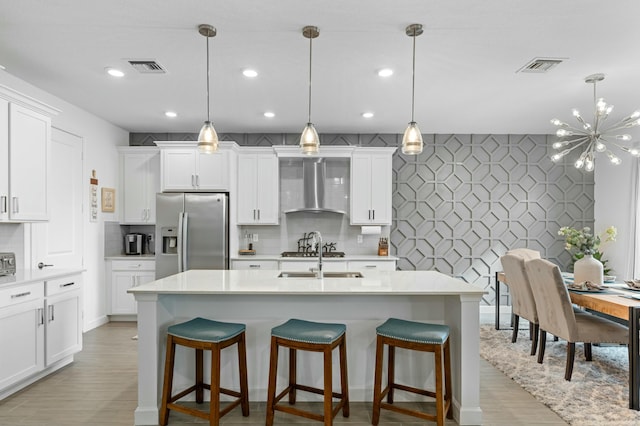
point(269, 114)
point(367, 114)
point(385, 72)
point(250, 73)
point(2, 67)
point(115, 72)
point(171, 114)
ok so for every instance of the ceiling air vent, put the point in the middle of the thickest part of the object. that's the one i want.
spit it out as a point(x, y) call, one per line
point(147, 67)
point(540, 65)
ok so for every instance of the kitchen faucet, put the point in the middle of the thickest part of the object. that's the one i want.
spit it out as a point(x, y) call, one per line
point(318, 244)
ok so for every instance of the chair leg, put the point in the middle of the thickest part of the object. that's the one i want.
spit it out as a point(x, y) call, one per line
point(273, 370)
point(530, 330)
point(293, 361)
point(328, 388)
point(571, 353)
point(587, 351)
point(543, 345)
point(439, 391)
point(534, 340)
point(168, 380)
point(344, 378)
point(391, 374)
point(199, 376)
point(244, 382)
point(447, 378)
point(377, 382)
point(516, 322)
point(214, 395)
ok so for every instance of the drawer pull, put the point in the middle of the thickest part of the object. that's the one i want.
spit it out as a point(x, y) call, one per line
point(254, 266)
point(371, 266)
point(15, 296)
point(67, 284)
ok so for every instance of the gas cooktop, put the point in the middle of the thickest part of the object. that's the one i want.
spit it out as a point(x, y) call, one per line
point(312, 254)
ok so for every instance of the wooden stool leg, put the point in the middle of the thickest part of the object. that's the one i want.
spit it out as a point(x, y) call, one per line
point(273, 370)
point(328, 387)
point(377, 383)
point(244, 382)
point(439, 391)
point(168, 380)
point(344, 378)
point(199, 376)
point(447, 378)
point(391, 374)
point(214, 404)
point(293, 371)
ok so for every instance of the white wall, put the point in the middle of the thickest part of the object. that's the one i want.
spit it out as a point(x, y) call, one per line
point(100, 141)
point(613, 195)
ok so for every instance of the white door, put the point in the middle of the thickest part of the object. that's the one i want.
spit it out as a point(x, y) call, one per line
point(59, 241)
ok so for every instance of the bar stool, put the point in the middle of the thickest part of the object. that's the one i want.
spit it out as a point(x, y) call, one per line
point(316, 337)
point(419, 337)
point(203, 334)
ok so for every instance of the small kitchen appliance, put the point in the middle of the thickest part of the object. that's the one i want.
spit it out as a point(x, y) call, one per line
point(7, 263)
point(133, 244)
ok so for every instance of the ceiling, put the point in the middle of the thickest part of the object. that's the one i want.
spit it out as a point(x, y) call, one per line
point(466, 62)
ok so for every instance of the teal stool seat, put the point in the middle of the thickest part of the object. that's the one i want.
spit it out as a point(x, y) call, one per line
point(205, 335)
point(413, 336)
point(310, 336)
point(309, 332)
point(204, 330)
point(412, 331)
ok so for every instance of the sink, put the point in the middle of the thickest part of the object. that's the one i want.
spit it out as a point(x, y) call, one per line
point(303, 274)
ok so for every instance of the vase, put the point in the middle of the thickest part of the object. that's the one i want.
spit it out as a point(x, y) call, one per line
point(588, 269)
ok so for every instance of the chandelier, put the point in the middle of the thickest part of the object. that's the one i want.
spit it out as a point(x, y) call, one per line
point(594, 137)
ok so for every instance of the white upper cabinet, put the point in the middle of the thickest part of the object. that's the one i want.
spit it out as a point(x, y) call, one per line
point(258, 188)
point(371, 186)
point(25, 137)
point(187, 169)
point(140, 178)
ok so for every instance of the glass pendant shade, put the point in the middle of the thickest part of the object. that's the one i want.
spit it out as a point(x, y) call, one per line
point(412, 140)
point(207, 139)
point(309, 140)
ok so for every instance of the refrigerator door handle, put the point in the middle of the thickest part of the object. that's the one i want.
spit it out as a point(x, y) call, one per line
point(185, 242)
point(180, 236)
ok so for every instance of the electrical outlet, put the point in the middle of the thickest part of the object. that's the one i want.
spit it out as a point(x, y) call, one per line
point(254, 237)
point(360, 239)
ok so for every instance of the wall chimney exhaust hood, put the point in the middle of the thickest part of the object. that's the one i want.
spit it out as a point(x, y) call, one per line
point(313, 181)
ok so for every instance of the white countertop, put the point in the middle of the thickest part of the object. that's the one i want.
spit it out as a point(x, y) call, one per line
point(267, 282)
point(131, 257)
point(24, 276)
point(369, 257)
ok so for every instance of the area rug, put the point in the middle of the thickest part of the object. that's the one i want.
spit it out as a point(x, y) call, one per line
point(597, 393)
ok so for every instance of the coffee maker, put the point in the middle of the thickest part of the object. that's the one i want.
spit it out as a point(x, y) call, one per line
point(133, 244)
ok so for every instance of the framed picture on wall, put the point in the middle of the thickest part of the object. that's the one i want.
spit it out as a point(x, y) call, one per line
point(108, 200)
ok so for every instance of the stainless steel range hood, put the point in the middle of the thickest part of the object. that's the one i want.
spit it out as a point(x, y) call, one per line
point(313, 179)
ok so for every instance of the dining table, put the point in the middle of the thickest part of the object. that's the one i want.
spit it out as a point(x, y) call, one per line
point(616, 300)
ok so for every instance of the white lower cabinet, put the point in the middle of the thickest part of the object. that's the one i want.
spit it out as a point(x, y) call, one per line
point(41, 326)
point(254, 264)
point(372, 265)
point(123, 275)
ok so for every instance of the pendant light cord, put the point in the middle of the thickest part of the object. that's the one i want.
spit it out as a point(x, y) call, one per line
point(208, 99)
point(413, 77)
point(310, 56)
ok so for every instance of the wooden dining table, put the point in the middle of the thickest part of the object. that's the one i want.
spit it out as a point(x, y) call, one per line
point(615, 302)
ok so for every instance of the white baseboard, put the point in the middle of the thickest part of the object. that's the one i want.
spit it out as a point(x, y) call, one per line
point(96, 323)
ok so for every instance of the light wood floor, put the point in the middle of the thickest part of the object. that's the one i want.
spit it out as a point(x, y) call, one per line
point(100, 388)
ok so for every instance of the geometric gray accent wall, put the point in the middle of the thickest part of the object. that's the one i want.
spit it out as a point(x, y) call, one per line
point(466, 199)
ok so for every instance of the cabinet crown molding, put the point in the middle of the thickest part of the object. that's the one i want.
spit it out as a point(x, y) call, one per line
point(26, 101)
point(193, 144)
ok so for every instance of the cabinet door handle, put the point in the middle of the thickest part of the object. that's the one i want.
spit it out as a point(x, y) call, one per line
point(15, 207)
point(67, 284)
point(198, 181)
point(51, 313)
point(258, 214)
point(373, 214)
point(193, 180)
point(148, 214)
point(17, 295)
point(40, 314)
point(369, 214)
point(3, 204)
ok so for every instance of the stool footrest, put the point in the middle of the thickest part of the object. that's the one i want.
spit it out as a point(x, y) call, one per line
point(413, 390)
point(419, 414)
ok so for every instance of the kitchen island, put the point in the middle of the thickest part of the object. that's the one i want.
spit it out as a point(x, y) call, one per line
point(262, 300)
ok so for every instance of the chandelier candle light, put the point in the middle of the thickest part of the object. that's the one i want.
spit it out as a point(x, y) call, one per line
point(207, 138)
point(412, 139)
point(594, 137)
point(309, 140)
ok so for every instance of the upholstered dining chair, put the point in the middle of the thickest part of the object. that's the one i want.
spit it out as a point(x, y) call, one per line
point(525, 253)
point(556, 315)
point(523, 305)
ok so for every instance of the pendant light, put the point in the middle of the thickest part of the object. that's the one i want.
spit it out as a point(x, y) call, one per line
point(309, 140)
point(207, 138)
point(412, 139)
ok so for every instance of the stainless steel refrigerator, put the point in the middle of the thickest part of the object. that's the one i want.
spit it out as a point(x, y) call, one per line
point(192, 232)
